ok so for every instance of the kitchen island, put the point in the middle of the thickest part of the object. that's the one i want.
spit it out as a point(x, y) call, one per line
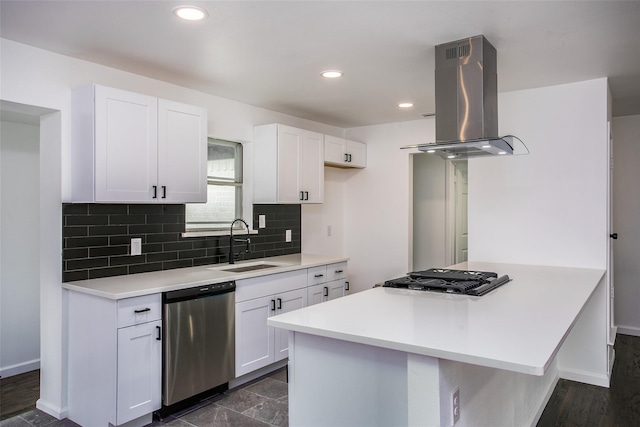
point(396, 357)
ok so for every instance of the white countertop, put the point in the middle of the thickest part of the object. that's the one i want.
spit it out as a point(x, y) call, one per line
point(517, 327)
point(134, 285)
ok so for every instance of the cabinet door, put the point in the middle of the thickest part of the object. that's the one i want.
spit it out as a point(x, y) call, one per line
point(312, 167)
point(289, 152)
point(182, 153)
point(357, 152)
point(254, 339)
point(334, 150)
point(336, 289)
point(315, 294)
point(126, 137)
point(285, 303)
point(139, 371)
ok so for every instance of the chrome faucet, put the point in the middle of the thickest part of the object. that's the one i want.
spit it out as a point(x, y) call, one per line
point(231, 240)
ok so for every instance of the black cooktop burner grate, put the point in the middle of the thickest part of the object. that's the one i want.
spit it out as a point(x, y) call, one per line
point(451, 281)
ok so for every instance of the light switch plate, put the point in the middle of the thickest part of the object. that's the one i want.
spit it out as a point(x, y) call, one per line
point(262, 221)
point(287, 236)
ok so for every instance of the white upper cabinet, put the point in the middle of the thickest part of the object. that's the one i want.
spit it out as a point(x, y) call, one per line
point(288, 165)
point(133, 148)
point(182, 152)
point(344, 153)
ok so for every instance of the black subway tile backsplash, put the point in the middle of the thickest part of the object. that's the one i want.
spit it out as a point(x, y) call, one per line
point(97, 238)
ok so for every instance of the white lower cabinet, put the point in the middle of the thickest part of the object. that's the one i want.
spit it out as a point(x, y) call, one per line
point(331, 283)
point(114, 359)
point(327, 291)
point(285, 303)
point(139, 365)
point(259, 345)
point(254, 339)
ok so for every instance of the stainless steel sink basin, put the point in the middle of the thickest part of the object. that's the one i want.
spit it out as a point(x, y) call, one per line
point(242, 269)
point(248, 266)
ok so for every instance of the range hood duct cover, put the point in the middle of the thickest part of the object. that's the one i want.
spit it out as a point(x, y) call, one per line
point(466, 90)
point(467, 101)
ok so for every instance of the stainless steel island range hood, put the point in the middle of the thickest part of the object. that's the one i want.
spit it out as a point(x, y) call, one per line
point(467, 102)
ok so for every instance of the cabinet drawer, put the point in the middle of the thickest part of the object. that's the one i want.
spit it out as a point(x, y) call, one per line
point(133, 311)
point(271, 284)
point(336, 271)
point(316, 275)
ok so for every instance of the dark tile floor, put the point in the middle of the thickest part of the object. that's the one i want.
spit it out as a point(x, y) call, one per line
point(260, 403)
point(264, 402)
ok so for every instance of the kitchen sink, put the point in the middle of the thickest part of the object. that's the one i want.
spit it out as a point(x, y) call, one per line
point(242, 268)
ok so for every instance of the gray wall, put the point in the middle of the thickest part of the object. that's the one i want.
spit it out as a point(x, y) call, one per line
point(19, 243)
point(626, 222)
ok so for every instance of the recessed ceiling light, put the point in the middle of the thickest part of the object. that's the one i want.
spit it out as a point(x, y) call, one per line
point(190, 13)
point(331, 74)
point(502, 152)
point(431, 151)
point(451, 156)
point(405, 105)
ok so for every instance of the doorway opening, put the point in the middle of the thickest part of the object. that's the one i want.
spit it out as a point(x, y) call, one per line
point(24, 168)
point(439, 209)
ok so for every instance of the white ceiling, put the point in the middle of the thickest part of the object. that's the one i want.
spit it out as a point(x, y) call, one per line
point(270, 54)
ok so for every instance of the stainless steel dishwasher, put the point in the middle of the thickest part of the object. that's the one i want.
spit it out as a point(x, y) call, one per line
point(199, 344)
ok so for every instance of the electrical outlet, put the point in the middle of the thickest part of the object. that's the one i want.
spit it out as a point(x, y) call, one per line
point(455, 405)
point(262, 221)
point(287, 236)
point(136, 246)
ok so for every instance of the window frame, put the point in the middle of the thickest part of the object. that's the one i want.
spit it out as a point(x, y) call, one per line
point(218, 227)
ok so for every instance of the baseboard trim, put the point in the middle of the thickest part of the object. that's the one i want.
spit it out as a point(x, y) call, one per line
point(54, 411)
point(20, 368)
point(585, 377)
point(629, 330)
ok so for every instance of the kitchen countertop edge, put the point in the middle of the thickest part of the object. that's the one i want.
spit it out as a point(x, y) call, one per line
point(141, 284)
point(370, 326)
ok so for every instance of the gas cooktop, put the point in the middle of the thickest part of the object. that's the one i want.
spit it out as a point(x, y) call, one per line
point(476, 283)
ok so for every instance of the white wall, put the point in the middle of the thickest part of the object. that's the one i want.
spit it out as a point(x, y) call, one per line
point(626, 212)
point(35, 77)
point(19, 243)
point(378, 217)
point(548, 207)
point(316, 219)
